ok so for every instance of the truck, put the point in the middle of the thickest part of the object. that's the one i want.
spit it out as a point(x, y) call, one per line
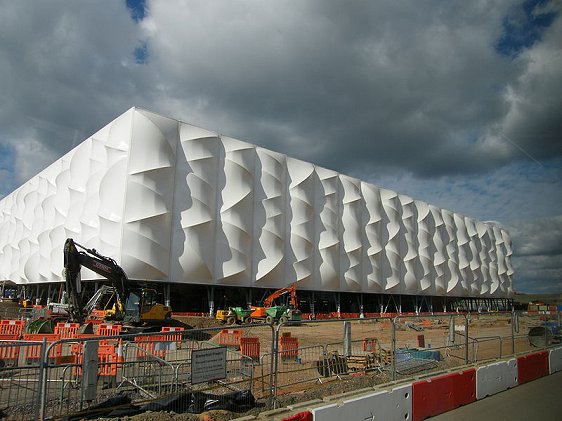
point(234, 315)
point(282, 312)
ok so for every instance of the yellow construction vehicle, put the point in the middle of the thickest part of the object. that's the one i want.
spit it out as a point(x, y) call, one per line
point(133, 305)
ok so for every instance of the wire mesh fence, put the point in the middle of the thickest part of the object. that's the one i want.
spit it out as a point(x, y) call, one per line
point(46, 377)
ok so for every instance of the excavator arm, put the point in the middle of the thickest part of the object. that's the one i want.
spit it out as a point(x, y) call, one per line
point(74, 260)
point(280, 292)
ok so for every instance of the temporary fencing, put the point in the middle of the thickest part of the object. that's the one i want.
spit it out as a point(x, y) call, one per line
point(20, 379)
point(12, 327)
point(53, 375)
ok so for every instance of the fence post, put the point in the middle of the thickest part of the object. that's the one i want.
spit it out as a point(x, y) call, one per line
point(273, 369)
point(393, 349)
point(347, 338)
point(466, 338)
point(41, 387)
point(513, 321)
point(545, 331)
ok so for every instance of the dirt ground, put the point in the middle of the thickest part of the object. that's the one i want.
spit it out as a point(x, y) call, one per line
point(435, 334)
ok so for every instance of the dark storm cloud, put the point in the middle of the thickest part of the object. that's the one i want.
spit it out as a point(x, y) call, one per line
point(66, 70)
point(416, 94)
point(354, 85)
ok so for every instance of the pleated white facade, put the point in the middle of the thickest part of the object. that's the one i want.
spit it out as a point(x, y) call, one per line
point(176, 203)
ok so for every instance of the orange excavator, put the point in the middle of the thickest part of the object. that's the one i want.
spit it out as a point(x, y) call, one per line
point(279, 313)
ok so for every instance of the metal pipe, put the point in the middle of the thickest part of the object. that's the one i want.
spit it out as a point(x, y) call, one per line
point(393, 348)
point(466, 338)
point(42, 389)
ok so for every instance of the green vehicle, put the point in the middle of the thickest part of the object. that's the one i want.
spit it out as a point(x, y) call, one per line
point(234, 315)
point(282, 314)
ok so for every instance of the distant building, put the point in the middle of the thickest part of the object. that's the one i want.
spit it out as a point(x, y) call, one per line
point(182, 205)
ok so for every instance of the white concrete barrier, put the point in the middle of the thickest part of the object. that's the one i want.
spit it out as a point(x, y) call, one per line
point(555, 360)
point(386, 405)
point(496, 377)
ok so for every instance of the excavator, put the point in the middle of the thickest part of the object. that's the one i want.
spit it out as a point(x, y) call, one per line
point(279, 313)
point(132, 305)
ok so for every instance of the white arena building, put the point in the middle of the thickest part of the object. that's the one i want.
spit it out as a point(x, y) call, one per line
point(186, 207)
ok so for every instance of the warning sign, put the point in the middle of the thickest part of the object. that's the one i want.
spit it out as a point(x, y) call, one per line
point(208, 364)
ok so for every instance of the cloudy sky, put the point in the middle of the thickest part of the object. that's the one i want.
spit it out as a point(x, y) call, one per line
point(457, 103)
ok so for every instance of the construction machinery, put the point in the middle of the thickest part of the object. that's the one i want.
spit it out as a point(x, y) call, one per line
point(132, 305)
point(279, 313)
point(235, 315)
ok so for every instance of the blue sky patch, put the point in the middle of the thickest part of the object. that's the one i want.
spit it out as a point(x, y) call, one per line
point(137, 8)
point(141, 53)
point(523, 27)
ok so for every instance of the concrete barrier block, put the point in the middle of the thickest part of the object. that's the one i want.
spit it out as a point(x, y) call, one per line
point(443, 393)
point(555, 360)
point(532, 366)
point(395, 404)
point(495, 378)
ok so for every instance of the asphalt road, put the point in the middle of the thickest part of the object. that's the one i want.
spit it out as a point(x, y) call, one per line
point(539, 400)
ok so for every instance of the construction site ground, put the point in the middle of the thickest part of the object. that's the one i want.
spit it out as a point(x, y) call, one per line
point(408, 332)
point(436, 334)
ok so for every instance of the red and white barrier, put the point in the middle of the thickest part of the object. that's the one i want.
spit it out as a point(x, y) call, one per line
point(495, 378)
point(532, 366)
point(555, 360)
point(428, 397)
point(395, 404)
point(443, 393)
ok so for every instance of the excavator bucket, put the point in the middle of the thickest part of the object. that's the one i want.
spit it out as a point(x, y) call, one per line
point(86, 328)
point(40, 326)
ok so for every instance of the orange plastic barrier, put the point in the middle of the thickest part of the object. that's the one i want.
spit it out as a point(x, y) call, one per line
point(147, 345)
point(9, 351)
point(106, 329)
point(370, 344)
point(177, 337)
point(33, 352)
point(230, 337)
point(289, 347)
point(11, 327)
point(107, 359)
point(66, 330)
point(250, 347)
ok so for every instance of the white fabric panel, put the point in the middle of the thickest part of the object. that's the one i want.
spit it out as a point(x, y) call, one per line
point(236, 213)
point(329, 199)
point(270, 218)
point(440, 254)
point(373, 233)
point(196, 194)
point(301, 213)
point(392, 260)
point(173, 202)
point(409, 247)
point(352, 234)
point(425, 227)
